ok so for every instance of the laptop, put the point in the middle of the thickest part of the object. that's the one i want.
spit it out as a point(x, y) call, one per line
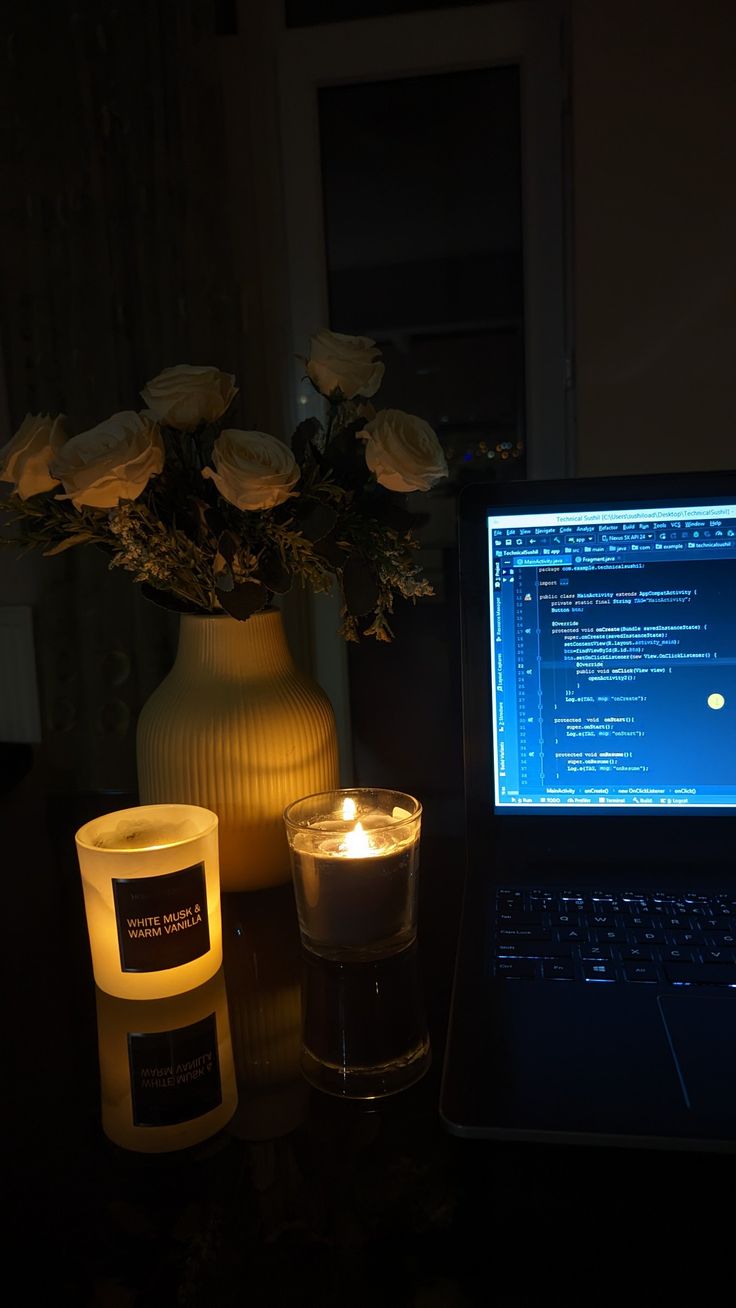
point(595, 989)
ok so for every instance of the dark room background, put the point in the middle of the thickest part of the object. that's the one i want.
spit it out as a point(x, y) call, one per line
point(143, 225)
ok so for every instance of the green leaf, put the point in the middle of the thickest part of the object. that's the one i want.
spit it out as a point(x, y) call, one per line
point(224, 579)
point(79, 538)
point(315, 519)
point(345, 454)
point(245, 599)
point(214, 520)
point(302, 442)
point(387, 507)
point(273, 572)
point(227, 546)
point(360, 586)
point(329, 549)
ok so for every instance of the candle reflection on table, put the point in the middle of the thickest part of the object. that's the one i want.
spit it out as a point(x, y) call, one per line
point(262, 961)
point(364, 1029)
point(166, 1068)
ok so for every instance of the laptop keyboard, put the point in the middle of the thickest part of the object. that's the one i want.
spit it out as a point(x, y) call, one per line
point(667, 939)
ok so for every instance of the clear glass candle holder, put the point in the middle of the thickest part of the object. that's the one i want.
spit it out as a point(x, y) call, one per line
point(151, 885)
point(355, 861)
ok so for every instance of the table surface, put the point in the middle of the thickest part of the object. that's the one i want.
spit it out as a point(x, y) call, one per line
point(306, 1199)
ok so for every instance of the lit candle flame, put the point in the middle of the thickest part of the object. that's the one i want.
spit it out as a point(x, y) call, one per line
point(348, 809)
point(356, 842)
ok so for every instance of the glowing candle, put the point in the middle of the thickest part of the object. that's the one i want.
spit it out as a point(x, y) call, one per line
point(151, 885)
point(355, 857)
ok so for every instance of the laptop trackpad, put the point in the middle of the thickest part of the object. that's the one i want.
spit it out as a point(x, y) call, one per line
point(701, 1030)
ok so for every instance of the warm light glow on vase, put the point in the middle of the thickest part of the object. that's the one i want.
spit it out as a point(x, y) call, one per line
point(151, 885)
point(239, 729)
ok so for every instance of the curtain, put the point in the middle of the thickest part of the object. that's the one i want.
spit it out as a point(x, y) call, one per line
point(118, 259)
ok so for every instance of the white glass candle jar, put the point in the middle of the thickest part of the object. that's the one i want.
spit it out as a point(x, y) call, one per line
point(152, 896)
point(355, 860)
point(166, 1068)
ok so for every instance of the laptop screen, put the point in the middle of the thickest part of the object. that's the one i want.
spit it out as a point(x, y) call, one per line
point(613, 638)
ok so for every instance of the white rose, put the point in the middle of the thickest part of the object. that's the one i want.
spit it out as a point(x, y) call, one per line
point(25, 459)
point(403, 451)
point(110, 462)
point(253, 470)
point(347, 363)
point(185, 395)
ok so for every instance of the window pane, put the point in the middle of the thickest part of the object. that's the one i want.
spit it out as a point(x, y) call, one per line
point(422, 205)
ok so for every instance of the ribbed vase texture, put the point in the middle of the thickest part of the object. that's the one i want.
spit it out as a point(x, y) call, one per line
point(237, 728)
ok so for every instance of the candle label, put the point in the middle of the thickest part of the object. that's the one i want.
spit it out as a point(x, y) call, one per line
point(162, 921)
point(174, 1075)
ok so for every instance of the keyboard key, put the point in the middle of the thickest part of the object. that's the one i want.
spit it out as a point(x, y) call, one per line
point(701, 974)
point(718, 955)
point(516, 969)
point(679, 936)
point(612, 936)
point(635, 954)
point(716, 938)
point(641, 972)
point(680, 956)
point(519, 917)
point(573, 933)
point(524, 933)
point(554, 970)
point(535, 949)
point(602, 920)
point(566, 919)
point(647, 937)
point(599, 972)
point(591, 953)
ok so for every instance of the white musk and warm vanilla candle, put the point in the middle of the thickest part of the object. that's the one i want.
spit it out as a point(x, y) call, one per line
point(152, 896)
point(355, 859)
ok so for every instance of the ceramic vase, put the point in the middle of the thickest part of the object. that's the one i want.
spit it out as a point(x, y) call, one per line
point(237, 728)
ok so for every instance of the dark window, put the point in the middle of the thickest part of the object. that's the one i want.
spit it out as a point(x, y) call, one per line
point(422, 208)
point(422, 199)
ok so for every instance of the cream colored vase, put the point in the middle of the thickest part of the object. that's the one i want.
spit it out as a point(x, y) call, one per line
point(237, 728)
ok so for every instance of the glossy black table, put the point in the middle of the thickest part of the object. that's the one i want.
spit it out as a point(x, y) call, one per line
point(305, 1199)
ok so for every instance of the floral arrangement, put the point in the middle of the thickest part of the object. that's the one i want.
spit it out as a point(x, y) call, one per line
point(210, 518)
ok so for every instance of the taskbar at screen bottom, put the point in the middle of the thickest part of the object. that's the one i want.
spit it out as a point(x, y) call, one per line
point(699, 800)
